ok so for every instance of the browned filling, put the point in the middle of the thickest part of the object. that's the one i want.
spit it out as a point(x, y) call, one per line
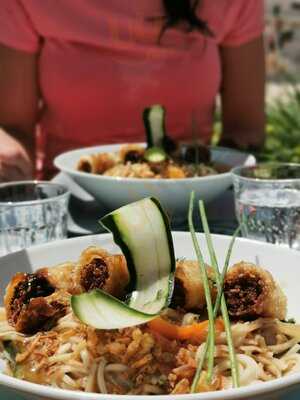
point(85, 167)
point(33, 285)
point(39, 314)
point(178, 298)
point(133, 156)
point(94, 275)
point(30, 308)
point(243, 295)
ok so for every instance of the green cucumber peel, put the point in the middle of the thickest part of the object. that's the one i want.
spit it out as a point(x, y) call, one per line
point(154, 122)
point(103, 311)
point(142, 231)
point(155, 155)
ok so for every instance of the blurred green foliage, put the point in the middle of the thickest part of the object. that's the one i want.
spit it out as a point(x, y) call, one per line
point(282, 127)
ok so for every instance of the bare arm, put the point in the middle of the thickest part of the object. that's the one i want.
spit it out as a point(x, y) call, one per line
point(243, 94)
point(18, 113)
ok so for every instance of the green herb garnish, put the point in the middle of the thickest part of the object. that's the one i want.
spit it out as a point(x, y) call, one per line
point(220, 301)
point(211, 327)
point(220, 281)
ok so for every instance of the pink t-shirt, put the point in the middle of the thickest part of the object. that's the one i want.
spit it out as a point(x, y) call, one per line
point(100, 65)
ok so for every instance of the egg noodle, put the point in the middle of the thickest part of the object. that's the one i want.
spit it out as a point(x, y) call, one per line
point(139, 360)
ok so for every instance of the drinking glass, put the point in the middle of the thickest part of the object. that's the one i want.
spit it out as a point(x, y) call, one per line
point(32, 212)
point(267, 202)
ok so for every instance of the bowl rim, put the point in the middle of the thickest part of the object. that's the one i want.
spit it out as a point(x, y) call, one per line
point(228, 394)
point(239, 393)
point(235, 171)
point(66, 193)
point(58, 162)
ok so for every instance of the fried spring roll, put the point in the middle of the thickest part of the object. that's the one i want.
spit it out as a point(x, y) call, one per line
point(251, 292)
point(61, 277)
point(32, 304)
point(35, 302)
point(188, 289)
point(96, 163)
point(98, 269)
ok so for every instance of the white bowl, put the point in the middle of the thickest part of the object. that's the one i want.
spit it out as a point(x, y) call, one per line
point(282, 263)
point(114, 192)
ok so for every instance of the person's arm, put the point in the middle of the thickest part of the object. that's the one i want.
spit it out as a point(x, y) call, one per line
point(18, 113)
point(243, 95)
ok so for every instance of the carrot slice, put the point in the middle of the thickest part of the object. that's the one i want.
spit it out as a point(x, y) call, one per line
point(194, 332)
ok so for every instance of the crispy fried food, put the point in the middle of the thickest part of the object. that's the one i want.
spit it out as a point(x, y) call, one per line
point(61, 277)
point(36, 301)
point(188, 289)
point(96, 268)
point(32, 304)
point(99, 269)
point(251, 292)
point(96, 163)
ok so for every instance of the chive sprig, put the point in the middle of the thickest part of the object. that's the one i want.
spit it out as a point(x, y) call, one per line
point(211, 327)
point(220, 302)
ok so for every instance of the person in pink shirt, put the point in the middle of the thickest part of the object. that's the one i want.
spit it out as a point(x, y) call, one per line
point(82, 71)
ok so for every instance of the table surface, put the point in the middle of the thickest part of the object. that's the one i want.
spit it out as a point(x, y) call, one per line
point(221, 220)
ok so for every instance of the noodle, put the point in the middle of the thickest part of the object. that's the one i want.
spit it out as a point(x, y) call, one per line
point(100, 376)
point(248, 369)
point(139, 367)
point(89, 387)
point(116, 368)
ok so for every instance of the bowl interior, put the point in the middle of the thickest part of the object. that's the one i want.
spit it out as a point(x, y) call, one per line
point(229, 157)
point(282, 263)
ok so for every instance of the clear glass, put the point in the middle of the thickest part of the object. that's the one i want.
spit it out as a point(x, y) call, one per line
point(267, 202)
point(32, 213)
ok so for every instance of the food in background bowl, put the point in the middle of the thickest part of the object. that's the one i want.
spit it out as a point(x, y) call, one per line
point(135, 161)
point(123, 330)
point(115, 191)
point(162, 159)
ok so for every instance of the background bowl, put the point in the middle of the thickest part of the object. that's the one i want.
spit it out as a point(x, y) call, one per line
point(281, 262)
point(174, 194)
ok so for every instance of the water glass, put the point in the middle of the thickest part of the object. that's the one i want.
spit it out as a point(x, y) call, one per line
point(32, 212)
point(267, 202)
